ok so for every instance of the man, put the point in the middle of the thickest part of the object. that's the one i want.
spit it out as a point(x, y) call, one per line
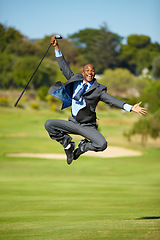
point(82, 92)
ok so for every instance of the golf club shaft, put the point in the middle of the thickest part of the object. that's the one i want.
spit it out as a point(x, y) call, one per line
point(32, 76)
point(57, 37)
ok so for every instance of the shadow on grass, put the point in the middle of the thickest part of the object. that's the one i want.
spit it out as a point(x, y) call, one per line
point(145, 218)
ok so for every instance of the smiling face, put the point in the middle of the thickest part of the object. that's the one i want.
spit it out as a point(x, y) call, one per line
point(88, 72)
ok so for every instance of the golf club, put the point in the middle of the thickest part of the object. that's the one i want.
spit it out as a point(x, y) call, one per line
point(57, 37)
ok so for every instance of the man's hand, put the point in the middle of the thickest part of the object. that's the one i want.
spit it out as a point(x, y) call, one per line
point(140, 110)
point(54, 43)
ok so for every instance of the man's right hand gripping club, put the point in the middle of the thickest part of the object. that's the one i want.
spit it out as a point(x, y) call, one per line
point(54, 43)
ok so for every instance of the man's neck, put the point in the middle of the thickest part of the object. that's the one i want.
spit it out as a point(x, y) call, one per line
point(89, 81)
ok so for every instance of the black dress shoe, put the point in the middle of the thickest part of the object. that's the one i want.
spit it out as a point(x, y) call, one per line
point(77, 153)
point(80, 150)
point(69, 153)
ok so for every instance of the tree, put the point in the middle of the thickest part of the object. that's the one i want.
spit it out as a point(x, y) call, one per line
point(143, 59)
point(150, 124)
point(138, 41)
point(127, 58)
point(98, 47)
point(23, 48)
point(8, 36)
point(155, 125)
point(6, 70)
point(2, 38)
point(24, 68)
point(147, 126)
point(107, 49)
point(156, 67)
point(151, 96)
point(141, 127)
point(19, 58)
point(138, 53)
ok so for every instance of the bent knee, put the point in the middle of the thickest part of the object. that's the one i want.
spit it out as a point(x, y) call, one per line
point(47, 124)
point(103, 146)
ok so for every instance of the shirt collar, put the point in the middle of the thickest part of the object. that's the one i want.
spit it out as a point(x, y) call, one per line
point(89, 83)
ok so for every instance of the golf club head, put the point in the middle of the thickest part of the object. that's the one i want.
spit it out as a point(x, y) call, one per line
point(57, 36)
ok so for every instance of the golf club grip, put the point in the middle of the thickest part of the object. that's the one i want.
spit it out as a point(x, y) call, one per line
point(57, 36)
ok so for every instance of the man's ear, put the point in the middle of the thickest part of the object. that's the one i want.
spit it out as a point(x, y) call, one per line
point(83, 73)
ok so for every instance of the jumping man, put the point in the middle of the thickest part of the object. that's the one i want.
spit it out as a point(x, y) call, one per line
point(82, 92)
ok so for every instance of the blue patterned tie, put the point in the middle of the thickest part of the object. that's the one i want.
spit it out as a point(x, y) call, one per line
point(80, 92)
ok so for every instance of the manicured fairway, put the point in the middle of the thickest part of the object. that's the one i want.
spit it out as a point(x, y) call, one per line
point(92, 199)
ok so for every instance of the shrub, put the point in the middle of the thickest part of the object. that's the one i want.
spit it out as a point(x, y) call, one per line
point(146, 126)
point(34, 106)
point(4, 101)
point(53, 107)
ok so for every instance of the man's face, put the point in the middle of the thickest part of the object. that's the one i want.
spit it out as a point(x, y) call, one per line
point(88, 72)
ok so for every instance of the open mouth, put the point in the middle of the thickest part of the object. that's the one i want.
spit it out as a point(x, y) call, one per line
point(90, 76)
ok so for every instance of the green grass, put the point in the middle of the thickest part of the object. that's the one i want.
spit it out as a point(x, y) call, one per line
point(92, 199)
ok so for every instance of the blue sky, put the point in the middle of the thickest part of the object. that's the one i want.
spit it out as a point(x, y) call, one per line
point(36, 19)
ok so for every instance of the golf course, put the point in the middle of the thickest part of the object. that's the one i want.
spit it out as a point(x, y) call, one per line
point(94, 198)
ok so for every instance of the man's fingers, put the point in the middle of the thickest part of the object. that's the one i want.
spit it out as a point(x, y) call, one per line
point(53, 41)
point(140, 110)
point(143, 111)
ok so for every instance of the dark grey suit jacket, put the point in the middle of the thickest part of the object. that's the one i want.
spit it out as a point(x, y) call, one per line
point(97, 92)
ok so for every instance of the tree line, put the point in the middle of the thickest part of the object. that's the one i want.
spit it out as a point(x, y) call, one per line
point(104, 49)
